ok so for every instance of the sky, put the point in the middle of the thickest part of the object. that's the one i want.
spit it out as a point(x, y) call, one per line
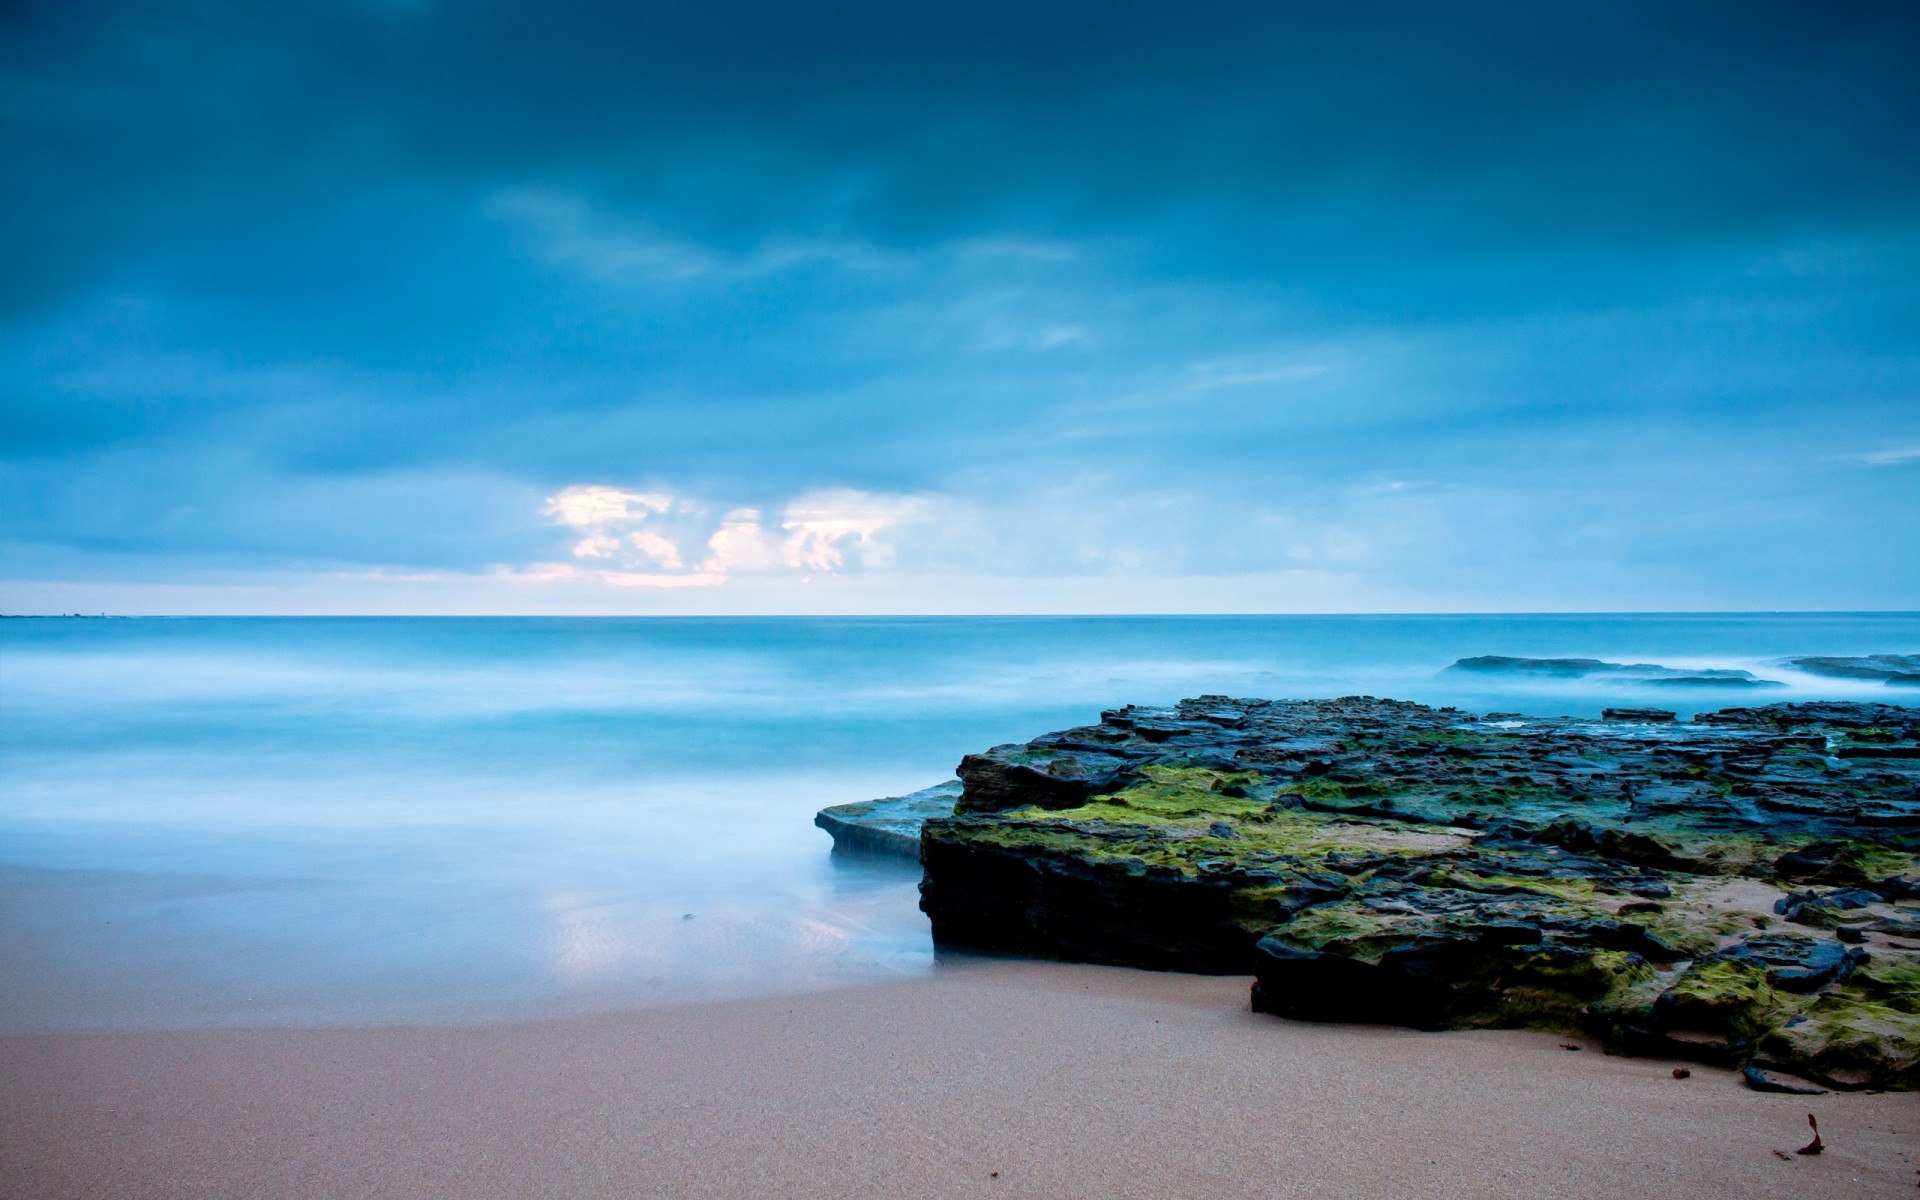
point(596, 306)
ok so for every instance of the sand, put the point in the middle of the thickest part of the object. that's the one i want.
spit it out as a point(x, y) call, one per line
point(1067, 1081)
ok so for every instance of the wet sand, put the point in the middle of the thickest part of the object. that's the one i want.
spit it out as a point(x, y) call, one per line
point(1066, 1081)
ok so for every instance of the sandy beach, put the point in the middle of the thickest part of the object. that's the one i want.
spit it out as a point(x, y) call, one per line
point(989, 1079)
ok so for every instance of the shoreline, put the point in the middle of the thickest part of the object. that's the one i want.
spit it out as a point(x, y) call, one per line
point(1067, 1080)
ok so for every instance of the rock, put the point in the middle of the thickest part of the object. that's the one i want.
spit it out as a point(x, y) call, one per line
point(890, 826)
point(1887, 667)
point(1822, 862)
point(1047, 780)
point(1824, 911)
point(1588, 668)
point(1383, 861)
point(1766, 1081)
point(1025, 897)
point(1793, 962)
point(1649, 716)
point(1435, 981)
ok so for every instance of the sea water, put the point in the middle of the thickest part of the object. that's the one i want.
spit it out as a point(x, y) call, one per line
point(270, 821)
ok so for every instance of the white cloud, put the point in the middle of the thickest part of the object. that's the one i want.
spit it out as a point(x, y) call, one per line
point(637, 537)
point(589, 505)
point(743, 544)
point(823, 527)
point(657, 548)
point(597, 546)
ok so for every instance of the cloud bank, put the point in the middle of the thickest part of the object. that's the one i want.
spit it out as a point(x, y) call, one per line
point(588, 306)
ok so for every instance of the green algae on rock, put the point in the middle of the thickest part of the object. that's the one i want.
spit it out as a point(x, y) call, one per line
point(1739, 888)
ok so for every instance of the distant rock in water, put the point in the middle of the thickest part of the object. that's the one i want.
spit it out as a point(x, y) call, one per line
point(889, 826)
point(1895, 670)
point(1742, 888)
point(1645, 716)
point(1590, 668)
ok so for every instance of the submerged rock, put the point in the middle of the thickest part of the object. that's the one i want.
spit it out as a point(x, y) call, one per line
point(1384, 861)
point(889, 826)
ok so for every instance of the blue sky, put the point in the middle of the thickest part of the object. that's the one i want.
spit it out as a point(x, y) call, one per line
point(372, 306)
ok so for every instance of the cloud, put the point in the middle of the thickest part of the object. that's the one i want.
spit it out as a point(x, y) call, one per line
point(640, 535)
point(1045, 289)
point(823, 528)
point(657, 548)
point(594, 506)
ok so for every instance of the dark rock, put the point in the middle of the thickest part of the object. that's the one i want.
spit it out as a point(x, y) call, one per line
point(1792, 901)
point(1793, 962)
point(1822, 911)
point(1766, 1081)
point(1608, 842)
point(1822, 862)
point(1897, 888)
point(1057, 781)
point(1647, 716)
point(1432, 982)
point(1051, 903)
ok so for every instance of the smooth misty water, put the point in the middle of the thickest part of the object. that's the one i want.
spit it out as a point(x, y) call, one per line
point(342, 821)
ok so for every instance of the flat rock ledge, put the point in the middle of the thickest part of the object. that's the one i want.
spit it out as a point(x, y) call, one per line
point(1743, 888)
point(888, 827)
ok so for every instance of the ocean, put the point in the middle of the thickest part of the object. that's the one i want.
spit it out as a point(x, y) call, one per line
point(272, 821)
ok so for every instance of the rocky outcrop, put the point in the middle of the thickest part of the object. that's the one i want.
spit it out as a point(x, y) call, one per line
point(1590, 668)
point(1894, 670)
point(889, 826)
point(1744, 887)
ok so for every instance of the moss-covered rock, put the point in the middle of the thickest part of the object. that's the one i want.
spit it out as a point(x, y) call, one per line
point(1674, 886)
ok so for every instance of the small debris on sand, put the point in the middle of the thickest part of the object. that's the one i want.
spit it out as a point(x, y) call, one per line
point(1816, 1146)
point(1682, 1073)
